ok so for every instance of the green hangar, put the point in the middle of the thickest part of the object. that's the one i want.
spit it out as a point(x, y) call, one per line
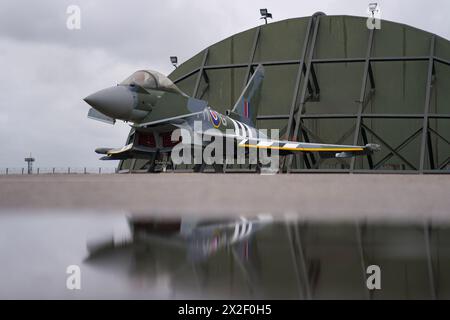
point(331, 79)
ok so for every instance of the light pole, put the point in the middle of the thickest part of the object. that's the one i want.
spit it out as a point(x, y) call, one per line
point(265, 14)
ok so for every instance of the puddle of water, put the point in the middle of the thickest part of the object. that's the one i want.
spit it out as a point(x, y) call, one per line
point(129, 256)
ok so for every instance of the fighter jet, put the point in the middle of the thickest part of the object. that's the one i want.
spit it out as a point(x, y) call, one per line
point(155, 107)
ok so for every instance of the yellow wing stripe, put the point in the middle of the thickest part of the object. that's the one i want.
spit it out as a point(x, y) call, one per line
point(302, 149)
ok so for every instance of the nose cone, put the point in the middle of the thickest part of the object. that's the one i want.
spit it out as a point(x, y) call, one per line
point(115, 102)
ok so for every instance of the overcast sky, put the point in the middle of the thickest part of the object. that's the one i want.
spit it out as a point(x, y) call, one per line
point(46, 69)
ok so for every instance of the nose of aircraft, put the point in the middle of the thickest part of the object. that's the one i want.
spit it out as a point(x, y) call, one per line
point(116, 102)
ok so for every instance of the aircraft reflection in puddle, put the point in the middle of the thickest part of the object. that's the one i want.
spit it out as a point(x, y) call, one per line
point(265, 258)
point(182, 249)
point(199, 238)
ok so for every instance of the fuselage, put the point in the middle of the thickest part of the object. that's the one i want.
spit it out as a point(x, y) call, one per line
point(145, 99)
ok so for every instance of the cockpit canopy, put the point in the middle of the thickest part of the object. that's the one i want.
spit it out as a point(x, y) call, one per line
point(150, 79)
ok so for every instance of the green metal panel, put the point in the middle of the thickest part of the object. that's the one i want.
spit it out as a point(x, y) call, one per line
point(272, 44)
point(440, 102)
point(339, 88)
point(341, 37)
point(278, 79)
point(400, 87)
point(219, 94)
point(396, 39)
point(442, 48)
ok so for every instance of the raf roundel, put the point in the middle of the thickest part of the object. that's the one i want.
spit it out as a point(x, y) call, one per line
point(215, 118)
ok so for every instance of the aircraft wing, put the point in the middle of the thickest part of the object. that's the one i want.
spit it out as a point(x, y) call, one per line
point(286, 146)
point(336, 150)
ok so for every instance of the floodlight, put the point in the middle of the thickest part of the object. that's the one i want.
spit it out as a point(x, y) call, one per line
point(174, 60)
point(373, 6)
point(265, 14)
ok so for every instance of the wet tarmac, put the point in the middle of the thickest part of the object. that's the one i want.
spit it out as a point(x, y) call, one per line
point(313, 196)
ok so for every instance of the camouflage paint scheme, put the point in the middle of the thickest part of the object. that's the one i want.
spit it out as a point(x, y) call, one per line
point(153, 104)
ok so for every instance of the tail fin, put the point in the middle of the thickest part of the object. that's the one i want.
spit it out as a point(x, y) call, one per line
point(247, 104)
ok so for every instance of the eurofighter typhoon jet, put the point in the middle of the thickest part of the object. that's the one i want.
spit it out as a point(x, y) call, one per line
point(155, 107)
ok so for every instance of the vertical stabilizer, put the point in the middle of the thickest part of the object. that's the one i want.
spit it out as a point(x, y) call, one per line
point(247, 104)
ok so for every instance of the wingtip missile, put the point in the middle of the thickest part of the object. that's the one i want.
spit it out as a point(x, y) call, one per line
point(373, 147)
